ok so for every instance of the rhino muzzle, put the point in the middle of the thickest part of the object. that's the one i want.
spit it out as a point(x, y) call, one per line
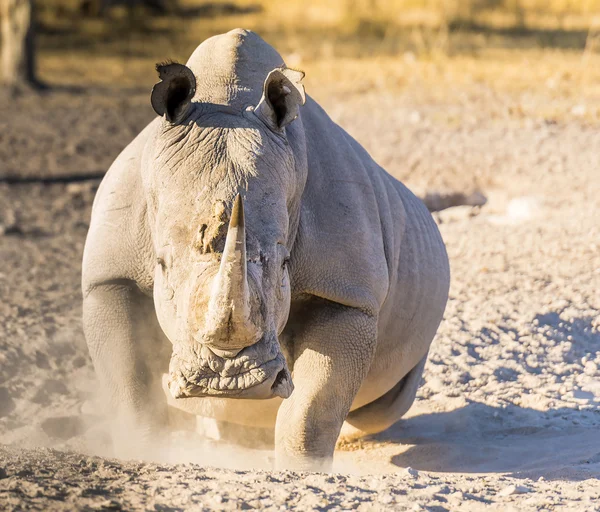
point(258, 372)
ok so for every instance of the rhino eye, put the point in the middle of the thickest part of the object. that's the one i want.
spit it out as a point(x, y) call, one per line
point(164, 260)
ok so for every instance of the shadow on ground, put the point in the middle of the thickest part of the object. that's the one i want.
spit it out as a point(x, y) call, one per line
point(478, 438)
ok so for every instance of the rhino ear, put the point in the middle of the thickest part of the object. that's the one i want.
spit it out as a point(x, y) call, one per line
point(283, 94)
point(172, 96)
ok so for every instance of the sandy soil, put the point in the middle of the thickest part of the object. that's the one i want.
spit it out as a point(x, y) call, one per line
point(508, 416)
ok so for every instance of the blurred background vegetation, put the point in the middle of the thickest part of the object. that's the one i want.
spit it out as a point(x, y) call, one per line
point(389, 25)
point(115, 41)
point(457, 64)
point(131, 31)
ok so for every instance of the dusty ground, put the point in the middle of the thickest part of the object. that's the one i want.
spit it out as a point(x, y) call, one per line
point(508, 416)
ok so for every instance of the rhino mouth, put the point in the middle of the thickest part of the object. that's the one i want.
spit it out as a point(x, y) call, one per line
point(257, 372)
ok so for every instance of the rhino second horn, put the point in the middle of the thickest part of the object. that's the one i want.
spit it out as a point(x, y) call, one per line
point(228, 319)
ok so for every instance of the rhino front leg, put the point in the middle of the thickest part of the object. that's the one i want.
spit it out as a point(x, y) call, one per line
point(333, 348)
point(127, 348)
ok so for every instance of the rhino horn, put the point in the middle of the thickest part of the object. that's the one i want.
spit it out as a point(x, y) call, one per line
point(228, 321)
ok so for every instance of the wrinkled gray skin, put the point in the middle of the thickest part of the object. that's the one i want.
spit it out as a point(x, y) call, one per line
point(248, 252)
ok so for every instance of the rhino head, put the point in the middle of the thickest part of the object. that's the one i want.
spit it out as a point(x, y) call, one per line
point(223, 188)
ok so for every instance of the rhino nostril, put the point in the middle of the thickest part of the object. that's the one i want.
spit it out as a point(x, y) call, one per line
point(281, 377)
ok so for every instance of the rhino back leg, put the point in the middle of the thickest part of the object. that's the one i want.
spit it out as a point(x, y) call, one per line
point(128, 350)
point(383, 412)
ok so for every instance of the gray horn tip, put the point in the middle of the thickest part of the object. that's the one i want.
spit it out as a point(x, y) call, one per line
point(237, 214)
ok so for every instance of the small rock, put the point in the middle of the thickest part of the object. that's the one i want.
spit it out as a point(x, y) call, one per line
point(386, 499)
point(514, 489)
point(374, 483)
point(412, 472)
point(3, 473)
point(465, 377)
point(435, 384)
point(111, 505)
point(41, 360)
point(590, 368)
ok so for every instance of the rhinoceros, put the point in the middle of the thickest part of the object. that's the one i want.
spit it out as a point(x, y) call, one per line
point(248, 261)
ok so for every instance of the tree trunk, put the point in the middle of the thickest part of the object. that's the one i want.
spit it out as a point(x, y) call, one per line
point(18, 50)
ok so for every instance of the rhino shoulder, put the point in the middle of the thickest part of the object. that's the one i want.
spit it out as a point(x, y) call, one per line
point(342, 248)
point(118, 245)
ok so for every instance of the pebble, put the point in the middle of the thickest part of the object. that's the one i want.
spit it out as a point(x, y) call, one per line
point(412, 472)
point(436, 384)
point(590, 368)
point(386, 499)
point(465, 377)
point(514, 489)
point(111, 505)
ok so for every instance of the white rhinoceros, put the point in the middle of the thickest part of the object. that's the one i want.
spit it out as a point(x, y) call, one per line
point(248, 248)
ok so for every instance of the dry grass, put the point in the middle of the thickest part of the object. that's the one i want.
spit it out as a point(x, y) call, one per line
point(441, 48)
